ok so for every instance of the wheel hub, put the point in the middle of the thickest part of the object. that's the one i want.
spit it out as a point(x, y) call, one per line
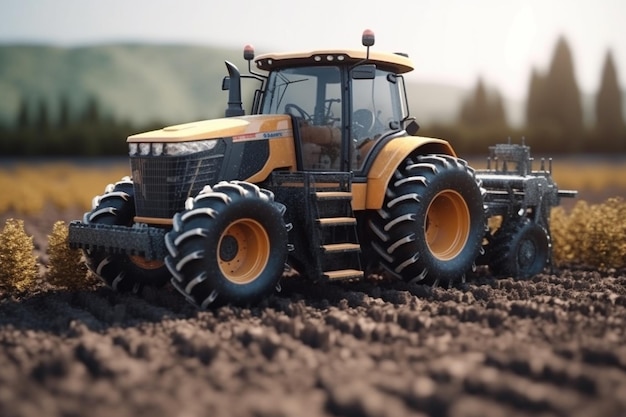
point(527, 254)
point(228, 248)
point(244, 251)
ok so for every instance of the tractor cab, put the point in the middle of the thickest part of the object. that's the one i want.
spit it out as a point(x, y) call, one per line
point(342, 102)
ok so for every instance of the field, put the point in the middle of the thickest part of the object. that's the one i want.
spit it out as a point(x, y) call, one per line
point(553, 345)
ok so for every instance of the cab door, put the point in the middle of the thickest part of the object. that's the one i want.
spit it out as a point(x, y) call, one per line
point(313, 97)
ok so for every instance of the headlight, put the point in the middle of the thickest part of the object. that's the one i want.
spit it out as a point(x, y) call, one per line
point(144, 149)
point(157, 149)
point(186, 148)
point(171, 149)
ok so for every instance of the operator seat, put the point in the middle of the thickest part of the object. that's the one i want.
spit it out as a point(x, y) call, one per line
point(321, 146)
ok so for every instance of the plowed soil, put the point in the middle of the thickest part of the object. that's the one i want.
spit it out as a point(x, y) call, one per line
point(553, 345)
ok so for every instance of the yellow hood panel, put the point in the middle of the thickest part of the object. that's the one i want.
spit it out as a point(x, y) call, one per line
point(214, 128)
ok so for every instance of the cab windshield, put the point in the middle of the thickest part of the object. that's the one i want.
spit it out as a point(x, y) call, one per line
point(313, 95)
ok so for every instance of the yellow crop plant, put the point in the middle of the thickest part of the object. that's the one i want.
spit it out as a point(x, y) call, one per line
point(66, 268)
point(592, 235)
point(18, 264)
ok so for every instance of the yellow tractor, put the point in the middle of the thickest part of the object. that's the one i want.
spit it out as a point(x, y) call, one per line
point(326, 175)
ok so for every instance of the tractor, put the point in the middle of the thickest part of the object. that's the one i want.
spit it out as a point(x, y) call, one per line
point(326, 176)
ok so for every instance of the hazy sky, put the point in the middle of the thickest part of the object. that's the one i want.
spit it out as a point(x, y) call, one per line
point(449, 41)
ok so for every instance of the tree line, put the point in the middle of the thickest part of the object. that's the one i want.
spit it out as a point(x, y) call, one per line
point(553, 113)
point(88, 132)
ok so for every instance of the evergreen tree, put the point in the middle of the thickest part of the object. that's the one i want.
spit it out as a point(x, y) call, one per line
point(91, 114)
point(535, 108)
point(609, 119)
point(498, 114)
point(23, 115)
point(43, 117)
point(482, 109)
point(64, 112)
point(562, 98)
point(554, 112)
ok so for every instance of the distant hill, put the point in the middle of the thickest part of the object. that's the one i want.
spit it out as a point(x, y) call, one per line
point(142, 83)
point(145, 83)
point(137, 83)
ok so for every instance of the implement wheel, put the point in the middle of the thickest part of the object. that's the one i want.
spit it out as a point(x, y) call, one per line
point(520, 249)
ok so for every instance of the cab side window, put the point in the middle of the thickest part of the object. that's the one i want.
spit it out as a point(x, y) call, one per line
point(374, 112)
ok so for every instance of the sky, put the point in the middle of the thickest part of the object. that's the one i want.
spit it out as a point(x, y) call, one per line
point(449, 41)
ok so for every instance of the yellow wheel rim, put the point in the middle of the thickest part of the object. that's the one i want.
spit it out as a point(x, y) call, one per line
point(447, 225)
point(243, 251)
point(143, 263)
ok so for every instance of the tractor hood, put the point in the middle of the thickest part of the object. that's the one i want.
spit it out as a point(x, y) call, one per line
point(239, 128)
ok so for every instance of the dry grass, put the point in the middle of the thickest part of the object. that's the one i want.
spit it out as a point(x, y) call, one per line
point(26, 189)
point(580, 173)
point(590, 234)
point(592, 177)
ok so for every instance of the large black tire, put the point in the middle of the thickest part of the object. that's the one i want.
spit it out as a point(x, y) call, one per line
point(121, 272)
point(229, 246)
point(432, 222)
point(519, 249)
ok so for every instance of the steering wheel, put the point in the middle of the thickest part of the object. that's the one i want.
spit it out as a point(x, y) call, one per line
point(299, 111)
point(362, 123)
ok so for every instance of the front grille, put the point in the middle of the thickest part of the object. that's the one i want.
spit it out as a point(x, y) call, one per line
point(163, 183)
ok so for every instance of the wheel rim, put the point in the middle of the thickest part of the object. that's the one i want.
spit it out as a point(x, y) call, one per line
point(143, 263)
point(447, 225)
point(243, 251)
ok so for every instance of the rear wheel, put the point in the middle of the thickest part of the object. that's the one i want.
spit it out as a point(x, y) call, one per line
point(230, 245)
point(519, 249)
point(432, 222)
point(119, 271)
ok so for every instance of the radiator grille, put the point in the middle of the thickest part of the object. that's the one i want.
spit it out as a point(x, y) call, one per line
point(163, 183)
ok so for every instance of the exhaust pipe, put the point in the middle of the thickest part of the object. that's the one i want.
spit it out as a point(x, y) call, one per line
point(234, 92)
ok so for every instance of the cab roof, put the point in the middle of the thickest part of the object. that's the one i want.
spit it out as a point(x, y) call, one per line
point(394, 62)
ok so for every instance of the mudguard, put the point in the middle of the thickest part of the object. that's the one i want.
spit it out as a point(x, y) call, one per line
point(370, 195)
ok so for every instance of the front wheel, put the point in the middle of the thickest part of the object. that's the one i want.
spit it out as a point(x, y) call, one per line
point(121, 272)
point(432, 222)
point(230, 245)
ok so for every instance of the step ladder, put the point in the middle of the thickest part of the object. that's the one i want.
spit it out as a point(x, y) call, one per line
point(334, 236)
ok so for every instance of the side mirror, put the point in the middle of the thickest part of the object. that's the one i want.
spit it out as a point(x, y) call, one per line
point(412, 127)
point(226, 83)
point(364, 72)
